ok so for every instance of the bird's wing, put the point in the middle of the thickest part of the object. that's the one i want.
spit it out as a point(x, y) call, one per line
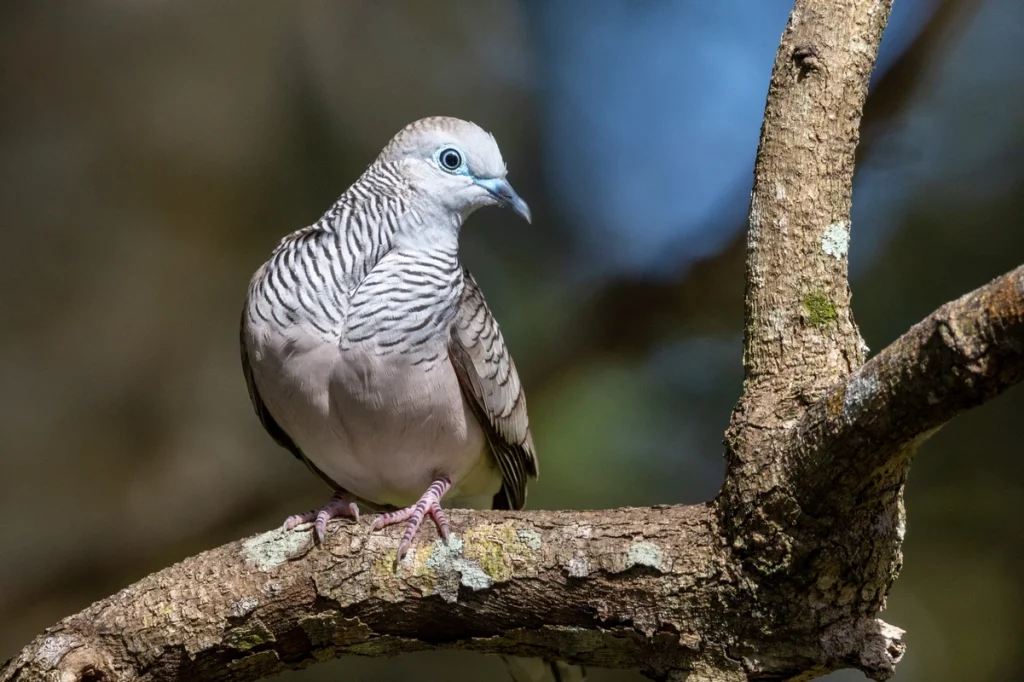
point(267, 419)
point(491, 386)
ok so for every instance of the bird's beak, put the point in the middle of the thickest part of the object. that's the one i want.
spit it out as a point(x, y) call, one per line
point(507, 196)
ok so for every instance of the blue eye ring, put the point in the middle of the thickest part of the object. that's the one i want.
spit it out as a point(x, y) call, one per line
point(450, 159)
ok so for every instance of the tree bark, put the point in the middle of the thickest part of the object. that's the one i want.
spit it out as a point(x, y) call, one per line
point(781, 577)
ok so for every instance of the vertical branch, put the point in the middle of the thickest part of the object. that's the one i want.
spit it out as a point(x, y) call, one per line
point(800, 334)
point(800, 338)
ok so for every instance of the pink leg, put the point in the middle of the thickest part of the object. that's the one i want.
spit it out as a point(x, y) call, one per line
point(341, 504)
point(430, 504)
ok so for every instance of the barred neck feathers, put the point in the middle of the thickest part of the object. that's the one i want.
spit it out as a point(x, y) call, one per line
point(360, 228)
point(311, 274)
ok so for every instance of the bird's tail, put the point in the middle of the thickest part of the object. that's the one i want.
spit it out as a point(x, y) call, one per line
point(539, 670)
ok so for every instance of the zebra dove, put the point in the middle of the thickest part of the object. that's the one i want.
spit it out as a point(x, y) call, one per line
point(370, 353)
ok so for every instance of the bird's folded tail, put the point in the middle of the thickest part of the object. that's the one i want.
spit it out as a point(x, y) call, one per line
point(538, 670)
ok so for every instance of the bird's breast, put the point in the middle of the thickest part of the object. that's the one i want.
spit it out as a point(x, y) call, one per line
point(406, 304)
point(362, 383)
point(382, 426)
point(405, 423)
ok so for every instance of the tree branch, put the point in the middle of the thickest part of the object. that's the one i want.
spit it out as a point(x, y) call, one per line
point(781, 577)
point(800, 338)
point(800, 204)
point(962, 355)
point(632, 587)
point(650, 589)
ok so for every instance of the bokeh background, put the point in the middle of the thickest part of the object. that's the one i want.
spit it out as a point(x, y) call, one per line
point(151, 155)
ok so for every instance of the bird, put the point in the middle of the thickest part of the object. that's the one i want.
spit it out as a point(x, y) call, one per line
point(370, 353)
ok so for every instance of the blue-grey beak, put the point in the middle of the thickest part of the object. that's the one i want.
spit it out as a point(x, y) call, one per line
point(504, 193)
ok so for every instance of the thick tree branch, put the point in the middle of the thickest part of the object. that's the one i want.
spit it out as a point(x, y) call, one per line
point(652, 589)
point(513, 583)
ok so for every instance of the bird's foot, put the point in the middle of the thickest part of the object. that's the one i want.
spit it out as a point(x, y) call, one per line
point(341, 504)
point(430, 504)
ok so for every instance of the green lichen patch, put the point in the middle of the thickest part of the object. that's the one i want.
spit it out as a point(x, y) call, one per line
point(454, 569)
point(444, 554)
point(247, 636)
point(497, 548)
point(484, 555)
point(473, 576)
point(383, 567)
point(820, 311)
point(488, 546)
point(389, 580)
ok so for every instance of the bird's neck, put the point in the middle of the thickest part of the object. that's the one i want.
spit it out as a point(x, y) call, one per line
point(379, 212)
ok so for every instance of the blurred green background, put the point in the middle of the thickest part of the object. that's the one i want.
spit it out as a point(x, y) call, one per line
point(151, 155)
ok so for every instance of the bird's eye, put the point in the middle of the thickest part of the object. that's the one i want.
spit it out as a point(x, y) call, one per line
point(450, 159)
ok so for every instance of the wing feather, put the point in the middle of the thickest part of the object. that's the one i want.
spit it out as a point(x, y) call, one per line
point(491, 386)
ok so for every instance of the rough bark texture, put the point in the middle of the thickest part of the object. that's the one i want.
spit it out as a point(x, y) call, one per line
point(781, 577)
point(800, 338)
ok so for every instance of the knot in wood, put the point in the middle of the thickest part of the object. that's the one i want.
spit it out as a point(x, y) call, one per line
point(808, 59)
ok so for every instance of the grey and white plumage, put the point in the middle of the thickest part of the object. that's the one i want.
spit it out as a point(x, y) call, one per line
point(369, 351)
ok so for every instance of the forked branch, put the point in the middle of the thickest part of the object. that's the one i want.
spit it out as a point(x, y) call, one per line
point(780, 578)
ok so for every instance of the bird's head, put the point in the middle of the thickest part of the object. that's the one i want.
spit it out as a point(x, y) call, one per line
point(455, 163)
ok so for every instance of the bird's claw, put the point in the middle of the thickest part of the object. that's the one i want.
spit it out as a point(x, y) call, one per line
point(429, 504)
point(340, 505)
